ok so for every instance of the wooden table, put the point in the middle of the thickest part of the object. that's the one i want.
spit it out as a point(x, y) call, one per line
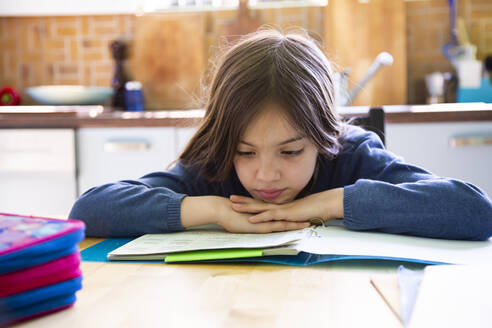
point(335, 294)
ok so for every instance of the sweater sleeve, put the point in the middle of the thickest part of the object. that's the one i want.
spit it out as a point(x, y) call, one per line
point(385, 194)
point(151, 204)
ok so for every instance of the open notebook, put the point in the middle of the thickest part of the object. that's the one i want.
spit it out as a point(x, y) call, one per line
point(322, 240)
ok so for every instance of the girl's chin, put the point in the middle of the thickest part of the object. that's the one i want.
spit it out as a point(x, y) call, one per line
point(279, 201)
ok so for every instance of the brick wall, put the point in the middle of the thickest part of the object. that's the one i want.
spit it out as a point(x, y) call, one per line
point(74, 50)
point(428, 31)
point(59, 50)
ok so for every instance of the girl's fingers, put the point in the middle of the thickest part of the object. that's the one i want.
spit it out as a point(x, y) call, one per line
point(251, 208)
point(241, 199)
point(281, 226)
point(286, 225)
point(269, 215)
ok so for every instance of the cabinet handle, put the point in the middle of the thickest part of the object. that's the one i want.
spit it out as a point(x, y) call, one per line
point(117, 146)
point(470, 141)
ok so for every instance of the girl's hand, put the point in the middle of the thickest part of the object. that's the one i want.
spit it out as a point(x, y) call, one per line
point(212, 209)
point(234, 221)
point(325, 205)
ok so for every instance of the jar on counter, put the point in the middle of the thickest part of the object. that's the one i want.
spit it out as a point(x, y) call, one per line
point(133, 96)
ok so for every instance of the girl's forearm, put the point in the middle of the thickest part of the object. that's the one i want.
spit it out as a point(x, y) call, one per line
point(333, 201)
point(199, 210)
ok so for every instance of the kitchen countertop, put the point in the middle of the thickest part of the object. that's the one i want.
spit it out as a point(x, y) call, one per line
point(99, 116)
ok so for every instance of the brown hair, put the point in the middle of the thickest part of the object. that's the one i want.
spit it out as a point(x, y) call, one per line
point(266, 66)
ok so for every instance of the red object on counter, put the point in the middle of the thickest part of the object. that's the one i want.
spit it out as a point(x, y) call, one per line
point(9, 97)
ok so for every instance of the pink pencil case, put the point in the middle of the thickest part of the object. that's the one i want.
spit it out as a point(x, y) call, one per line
point(55, 271)
point(27, 241)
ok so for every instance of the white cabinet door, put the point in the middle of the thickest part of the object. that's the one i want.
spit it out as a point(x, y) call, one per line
point(183, 135)
point(63, 7)
point(433, 146)
point(113, 154)
point(37, 171)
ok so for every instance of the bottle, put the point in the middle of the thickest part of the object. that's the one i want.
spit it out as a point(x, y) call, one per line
point(119, 52)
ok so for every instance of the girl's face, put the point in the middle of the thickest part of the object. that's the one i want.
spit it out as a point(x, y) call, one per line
point(273, 161)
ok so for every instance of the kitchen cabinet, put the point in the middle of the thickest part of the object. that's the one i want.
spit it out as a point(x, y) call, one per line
point(183, 135)
point(112, 154)
point(450, 149)
point(63, 7)
point(44, 169)
point(107, 7)
point(37, 171)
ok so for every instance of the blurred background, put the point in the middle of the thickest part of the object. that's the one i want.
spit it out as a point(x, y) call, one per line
point(171, 43)
point(425, 62)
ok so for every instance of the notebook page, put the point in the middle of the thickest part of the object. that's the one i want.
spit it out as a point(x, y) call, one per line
point(341, 241)
point(197, 240)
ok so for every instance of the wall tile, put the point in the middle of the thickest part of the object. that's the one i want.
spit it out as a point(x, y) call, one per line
point(84, 24)
point(68, 30)
point(74, 49)
point(56, 50)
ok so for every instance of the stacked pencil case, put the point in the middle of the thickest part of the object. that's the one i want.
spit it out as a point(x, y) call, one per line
point(39, 266)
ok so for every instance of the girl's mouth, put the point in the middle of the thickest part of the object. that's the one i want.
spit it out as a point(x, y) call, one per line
point(270, 194)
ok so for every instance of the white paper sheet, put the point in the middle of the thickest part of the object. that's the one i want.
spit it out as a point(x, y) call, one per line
point(341, 241)
point(333, 240)
point(197, 240)
point(454, 296)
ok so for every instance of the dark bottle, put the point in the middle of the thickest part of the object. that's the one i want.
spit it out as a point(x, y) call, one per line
point(488, 66)
point(119, 52)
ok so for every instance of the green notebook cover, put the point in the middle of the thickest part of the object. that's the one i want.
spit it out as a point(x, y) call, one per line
point(214, 254)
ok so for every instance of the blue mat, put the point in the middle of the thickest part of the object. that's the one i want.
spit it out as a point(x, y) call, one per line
point(99, 251)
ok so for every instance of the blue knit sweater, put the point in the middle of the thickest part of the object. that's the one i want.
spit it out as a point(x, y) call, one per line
point(381, 193)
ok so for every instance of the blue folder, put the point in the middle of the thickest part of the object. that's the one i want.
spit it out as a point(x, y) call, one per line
point(99, 251)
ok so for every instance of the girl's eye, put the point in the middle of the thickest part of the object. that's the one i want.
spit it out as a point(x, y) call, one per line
point(292, 152)
point(245, 153)
point(285, 152)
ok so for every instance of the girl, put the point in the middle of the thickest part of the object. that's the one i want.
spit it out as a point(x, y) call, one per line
point(272, 154)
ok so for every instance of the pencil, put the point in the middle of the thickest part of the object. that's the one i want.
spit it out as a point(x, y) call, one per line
point(386, 301)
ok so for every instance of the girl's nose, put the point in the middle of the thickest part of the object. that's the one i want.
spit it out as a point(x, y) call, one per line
point(267, 171)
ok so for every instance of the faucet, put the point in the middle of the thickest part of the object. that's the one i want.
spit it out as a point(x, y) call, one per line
point(383, 59)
